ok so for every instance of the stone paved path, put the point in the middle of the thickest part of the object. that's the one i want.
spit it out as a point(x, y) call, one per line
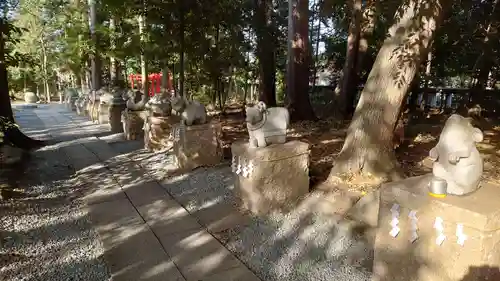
point(146, 233)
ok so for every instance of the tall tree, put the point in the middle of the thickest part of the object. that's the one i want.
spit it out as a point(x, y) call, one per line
point(345, 91)
point(484, 63)
point(368, 146)
point(266, 50)
point(299, 61)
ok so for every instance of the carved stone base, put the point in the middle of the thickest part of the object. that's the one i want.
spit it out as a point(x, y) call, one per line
point(133, 124)
point(103, 113)
point(272, 177)
point(397, 259)
point(115, 117)
point(158, 132)
point(197, 145)
point(89, 109)
point(80, 110)
point(94, 113)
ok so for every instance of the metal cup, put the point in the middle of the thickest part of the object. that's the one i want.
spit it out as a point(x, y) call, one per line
point(438, 187)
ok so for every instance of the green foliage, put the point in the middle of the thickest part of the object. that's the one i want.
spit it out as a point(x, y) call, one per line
point(219, 40)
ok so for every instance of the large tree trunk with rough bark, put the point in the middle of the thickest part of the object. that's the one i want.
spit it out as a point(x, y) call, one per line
point(299, 61)
point(367, 149)
point(266, 51)
point(368, 21)
point(345, 90)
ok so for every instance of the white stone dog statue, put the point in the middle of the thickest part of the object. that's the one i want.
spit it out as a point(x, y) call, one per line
point(266, 125)
point(456, 158)
point(191, 112)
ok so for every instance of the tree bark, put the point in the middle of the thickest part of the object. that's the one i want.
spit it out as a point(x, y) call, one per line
point(484, 63)
point(367, 149)
point(112, 60)
point(266, 48)
point(299, 62)
point(181, 43)
point(316, 53)
point(93, 60)
point(144, 64)
point(344, 87)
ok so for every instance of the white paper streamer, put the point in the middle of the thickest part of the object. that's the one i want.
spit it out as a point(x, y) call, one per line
point(244, 169)
point(461, 237)
point(438, 225)
point(394, 221)
point(250, 167)
point(414, 226)
point(234, 164)
point(238, 169)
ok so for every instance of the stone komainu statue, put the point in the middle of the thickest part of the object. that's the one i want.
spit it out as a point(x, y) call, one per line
point(456, 158)
point(266, 125)
point(191, 112)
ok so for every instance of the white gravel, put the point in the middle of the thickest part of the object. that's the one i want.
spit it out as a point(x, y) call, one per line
point(45, 235)
point(304, 245)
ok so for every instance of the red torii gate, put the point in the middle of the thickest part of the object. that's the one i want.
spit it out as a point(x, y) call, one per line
point(155, 79)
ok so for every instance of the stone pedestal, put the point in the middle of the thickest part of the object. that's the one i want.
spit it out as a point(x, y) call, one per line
point(89, 109)
point(197, 145)
point(94, 113)
point(133, 124)
point(103, 113)
point(272, 177)
point(158, 132)
point(80, 108)
point(478, 214)
point(115, 117)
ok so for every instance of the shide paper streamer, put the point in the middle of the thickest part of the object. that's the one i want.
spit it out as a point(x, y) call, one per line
point(395, 220)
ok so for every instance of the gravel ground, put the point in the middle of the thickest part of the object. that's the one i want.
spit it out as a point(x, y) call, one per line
point(303, 245)
point(45, 235)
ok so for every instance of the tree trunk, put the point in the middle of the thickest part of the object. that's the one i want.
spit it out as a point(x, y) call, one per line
point(181, 43)
point(144, 64)
point(345, 92)
point(94, 63)
point(266, 51)
point(316, 53)
point(112, 59)
point(367, 149)
point(46, 88)
point(484, 63)
point(299, 62)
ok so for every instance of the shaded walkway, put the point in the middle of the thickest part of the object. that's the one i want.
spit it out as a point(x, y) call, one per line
point(146, 233)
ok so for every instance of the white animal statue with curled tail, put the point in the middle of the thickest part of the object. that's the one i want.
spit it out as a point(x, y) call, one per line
point(191, 112)
point(266, 125)
point(456, 158)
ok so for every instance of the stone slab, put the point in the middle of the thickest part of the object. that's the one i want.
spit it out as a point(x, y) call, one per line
point(108, 215)
point(151, 269)
point(221, 217)
point(129, 246)
point(240, 273)
point(144, 192)
point(104, 193)
point(166, 217)
point(398, 259)
point(198, 254)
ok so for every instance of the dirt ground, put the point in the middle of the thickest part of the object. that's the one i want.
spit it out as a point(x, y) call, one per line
point(326, 138)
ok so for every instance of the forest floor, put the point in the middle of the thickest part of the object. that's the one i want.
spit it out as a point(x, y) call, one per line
point(326, 138)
